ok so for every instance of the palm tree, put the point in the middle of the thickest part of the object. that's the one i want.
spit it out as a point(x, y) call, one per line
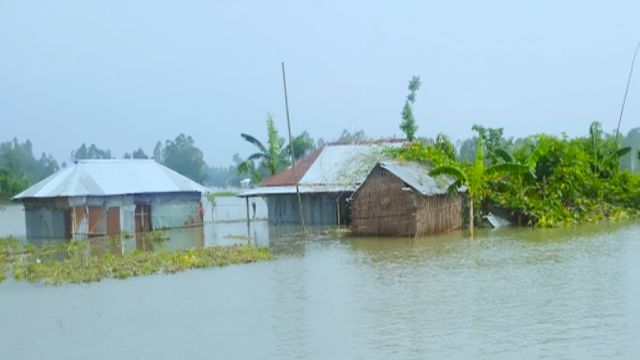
point(272, 155)
point(476, 177)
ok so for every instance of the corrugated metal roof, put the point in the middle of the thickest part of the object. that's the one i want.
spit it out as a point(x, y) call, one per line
point(345, 164)
point(111, 177)
point(332, 168)
point(277, 190)
point(417, 176)
point(286, 176)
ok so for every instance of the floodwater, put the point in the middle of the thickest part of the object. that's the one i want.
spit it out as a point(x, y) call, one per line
point(506, 294)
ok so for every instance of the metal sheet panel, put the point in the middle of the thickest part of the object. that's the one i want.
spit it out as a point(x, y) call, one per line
point(344, 164)
point(112, 177)
point(417, 176)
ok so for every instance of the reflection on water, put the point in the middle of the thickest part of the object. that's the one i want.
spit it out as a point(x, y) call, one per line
point(506, 294)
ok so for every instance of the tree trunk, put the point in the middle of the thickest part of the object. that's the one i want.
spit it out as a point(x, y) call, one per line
point(471, 215)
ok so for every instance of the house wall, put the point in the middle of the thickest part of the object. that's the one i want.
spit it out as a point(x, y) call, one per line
point(84, 217)
point(380, 207)
point(318, 209)
point(46, 220)
point(172, 210)
point(437, 214)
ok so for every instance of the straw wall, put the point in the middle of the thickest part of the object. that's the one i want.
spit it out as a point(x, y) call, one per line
point(439, 214)
point(380, 207)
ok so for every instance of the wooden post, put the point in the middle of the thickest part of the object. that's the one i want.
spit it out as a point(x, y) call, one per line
point(248, 220)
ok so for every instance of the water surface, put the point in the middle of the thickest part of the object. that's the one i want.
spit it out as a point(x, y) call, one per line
point(507, 294)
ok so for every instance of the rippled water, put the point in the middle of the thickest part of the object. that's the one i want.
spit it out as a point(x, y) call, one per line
point(506, 294)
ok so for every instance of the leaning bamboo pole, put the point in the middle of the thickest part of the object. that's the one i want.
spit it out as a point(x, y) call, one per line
point(293, 157)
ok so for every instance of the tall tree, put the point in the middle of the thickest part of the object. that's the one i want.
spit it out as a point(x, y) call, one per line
point(272, 156)
point(158, 152)
point(139, 154)
point(347, 138)
point(90, 153)
point(408, 124)
point(182, 156)
point(303, 145)
point(19, 168)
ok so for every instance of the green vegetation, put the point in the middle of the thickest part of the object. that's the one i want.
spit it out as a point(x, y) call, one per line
point(408, 125)
point(476, 177)
point(275, 156)
point(184, 157)
point(548, 180)
point(93, 260)
point(211, 197)
point(19, 169)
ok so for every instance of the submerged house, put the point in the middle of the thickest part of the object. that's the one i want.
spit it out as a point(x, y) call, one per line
point(401, 199)
point(110, 197)
point(326, 179)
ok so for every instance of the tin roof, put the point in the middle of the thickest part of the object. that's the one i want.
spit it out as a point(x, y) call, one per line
point(416, 175)
point(334, 164)
point(111, 177)
point(286, 176)
point(280, 190)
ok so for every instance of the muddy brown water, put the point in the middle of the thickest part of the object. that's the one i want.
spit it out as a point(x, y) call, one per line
point(506, 294)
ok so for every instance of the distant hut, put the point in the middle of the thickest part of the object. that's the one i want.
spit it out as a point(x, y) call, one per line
point(96, 198)
point(401, 199)
point(327, 178)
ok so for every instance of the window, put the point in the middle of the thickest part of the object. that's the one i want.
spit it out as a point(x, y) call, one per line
point(143, 218)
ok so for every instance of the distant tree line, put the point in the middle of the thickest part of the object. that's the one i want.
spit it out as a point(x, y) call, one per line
point(20, 168)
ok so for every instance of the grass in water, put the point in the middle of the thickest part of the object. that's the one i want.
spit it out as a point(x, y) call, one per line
point(93, 260)
point(224, 194)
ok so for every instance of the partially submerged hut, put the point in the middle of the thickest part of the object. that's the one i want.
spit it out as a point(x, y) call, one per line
point(327, 178)
point(110, 197)
point(401, 199)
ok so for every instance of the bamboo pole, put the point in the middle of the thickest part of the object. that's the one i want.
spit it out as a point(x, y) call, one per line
point(293, 158)
point(248, 220)
point(627, 90)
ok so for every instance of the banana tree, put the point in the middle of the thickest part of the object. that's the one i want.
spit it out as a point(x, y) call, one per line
point(605, 157)
point(272, 155)
point(476, 177)
point(248, 167)
point(521, 188)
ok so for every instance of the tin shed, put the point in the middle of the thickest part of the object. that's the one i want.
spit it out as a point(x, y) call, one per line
point(326, 178)
point(110, 197)
point(401, 199)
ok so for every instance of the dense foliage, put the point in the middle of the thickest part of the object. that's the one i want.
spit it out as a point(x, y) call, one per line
point(570, 181)
point(19, 168)
point(182, 156)
point(93, 260)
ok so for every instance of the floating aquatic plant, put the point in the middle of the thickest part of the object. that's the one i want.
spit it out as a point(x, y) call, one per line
point(87, 261)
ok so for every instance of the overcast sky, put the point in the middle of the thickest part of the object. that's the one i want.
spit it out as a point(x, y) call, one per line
point(125, 74)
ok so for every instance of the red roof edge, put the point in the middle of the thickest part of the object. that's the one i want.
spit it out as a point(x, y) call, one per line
point(286, 176)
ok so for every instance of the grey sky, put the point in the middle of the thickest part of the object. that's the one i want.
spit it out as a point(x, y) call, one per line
point(125, 74)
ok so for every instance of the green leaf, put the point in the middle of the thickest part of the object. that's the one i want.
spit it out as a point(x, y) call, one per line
point(452, 171)
point(478, 169)
point(254, 141)
point(507, 169)
point(537, 153)
point(621, 152)
point(504, 186)
point(504, 154)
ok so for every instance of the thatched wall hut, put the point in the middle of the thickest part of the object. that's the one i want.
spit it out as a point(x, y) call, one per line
point(401, 199)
